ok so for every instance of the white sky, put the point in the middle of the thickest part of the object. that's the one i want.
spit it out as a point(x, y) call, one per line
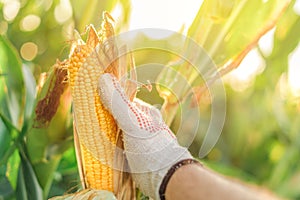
point(164, 14)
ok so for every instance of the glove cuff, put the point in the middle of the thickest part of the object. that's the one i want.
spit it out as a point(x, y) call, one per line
point(149, 182)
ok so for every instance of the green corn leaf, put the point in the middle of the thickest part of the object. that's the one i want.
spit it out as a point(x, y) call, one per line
point(12, 169)
point(11, 83)
point(226, 28)
point(288, 27)
point(30, 93)
point(11, 99)
point(6, 190)
point(5, 139)
point(28, 186)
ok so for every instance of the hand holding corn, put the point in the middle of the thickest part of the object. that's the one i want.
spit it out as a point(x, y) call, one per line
point(150, 146)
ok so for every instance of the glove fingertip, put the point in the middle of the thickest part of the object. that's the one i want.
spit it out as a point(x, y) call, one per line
point(105, 81)
point(112, 94)
point(105, 88)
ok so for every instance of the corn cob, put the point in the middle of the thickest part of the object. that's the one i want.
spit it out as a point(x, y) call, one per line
point(95, 131)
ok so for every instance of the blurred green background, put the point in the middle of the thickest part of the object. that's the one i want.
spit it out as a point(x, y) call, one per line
point(260, 142)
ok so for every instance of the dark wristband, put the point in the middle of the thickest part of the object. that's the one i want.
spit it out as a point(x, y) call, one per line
point(166, 179)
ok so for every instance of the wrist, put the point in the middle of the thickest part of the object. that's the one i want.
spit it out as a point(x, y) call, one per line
point(171, 172)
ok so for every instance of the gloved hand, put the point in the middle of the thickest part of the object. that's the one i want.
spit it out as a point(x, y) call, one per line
point(150, 146)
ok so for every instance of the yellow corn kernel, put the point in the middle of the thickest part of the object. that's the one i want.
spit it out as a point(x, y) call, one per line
point(95, 126)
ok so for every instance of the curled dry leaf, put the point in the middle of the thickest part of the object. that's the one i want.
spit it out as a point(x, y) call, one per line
point(46, 107)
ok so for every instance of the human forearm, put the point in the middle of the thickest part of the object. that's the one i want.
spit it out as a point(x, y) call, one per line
point(194, 182)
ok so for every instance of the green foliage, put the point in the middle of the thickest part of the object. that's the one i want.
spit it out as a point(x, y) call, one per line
point(232, 26)
point(12, 83)
point(219, 28)
point(260, 141)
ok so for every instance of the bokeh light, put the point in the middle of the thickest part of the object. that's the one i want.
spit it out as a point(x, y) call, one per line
point(294, 71)
point(297, 7)
point(266, 43)
point(11, 9)
point(243, 77)
point(63, 11)
point(29, 51)
point(30, 23)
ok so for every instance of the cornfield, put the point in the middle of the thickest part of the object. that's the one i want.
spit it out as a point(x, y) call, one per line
point(46, 46)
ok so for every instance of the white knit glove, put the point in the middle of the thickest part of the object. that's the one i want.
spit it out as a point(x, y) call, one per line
point(150, 146)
